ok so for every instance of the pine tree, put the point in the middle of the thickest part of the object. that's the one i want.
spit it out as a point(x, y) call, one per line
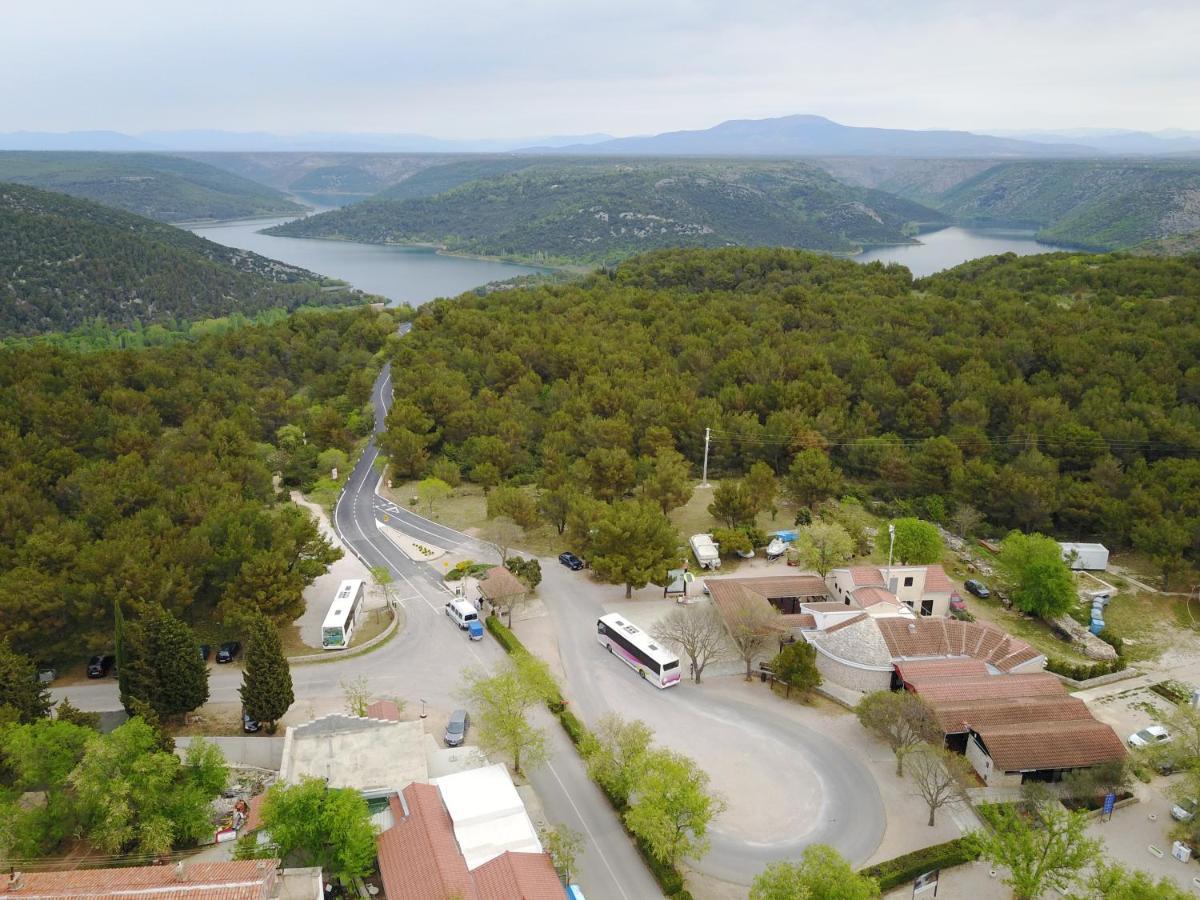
point(266, 680)
point(20, 689)
point(125, 673)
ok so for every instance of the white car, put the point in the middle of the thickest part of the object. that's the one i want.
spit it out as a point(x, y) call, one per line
point(1151, 736)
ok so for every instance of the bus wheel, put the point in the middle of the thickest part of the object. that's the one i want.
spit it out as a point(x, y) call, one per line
point(642, 672)
point(609, 647)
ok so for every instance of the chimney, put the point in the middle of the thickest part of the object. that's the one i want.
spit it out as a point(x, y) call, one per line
point(912, 627)
point(180, 871)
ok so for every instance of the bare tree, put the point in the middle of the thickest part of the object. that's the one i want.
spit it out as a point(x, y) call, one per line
point(500, 534)
point(941, 777)
point(966, 519)
point(753, 627)
point(698, 632)
point(901, 720)
point(358, 696)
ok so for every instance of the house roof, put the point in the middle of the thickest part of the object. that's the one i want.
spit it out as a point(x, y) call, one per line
point(518, 876)
point(1050, 745)
point(247, 880)
point(419, 857)
point(499, 582)
point(955, 717)
point(732, 599)
point(798, 620)
point(872, 595)
point(368, 755)
point(937, 581)
point(866, 575)
point(934, 636)
point(826, 606)
point(911, 669)
point(384, 709)
point(986, 687)
point(487, 814)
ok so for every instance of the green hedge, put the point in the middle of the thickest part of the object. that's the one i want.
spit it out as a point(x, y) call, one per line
point(1084, 671)
point(668, 877)
point(903, 869)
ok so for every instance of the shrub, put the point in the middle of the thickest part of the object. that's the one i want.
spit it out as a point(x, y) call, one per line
point(1084, 671)
point(667, 876)
point(503, 636)
point(1107, 635)
point(903, 869)
point(574, 728)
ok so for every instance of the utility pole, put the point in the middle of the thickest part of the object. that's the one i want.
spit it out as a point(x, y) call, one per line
point(704, 477)
point(891, 546)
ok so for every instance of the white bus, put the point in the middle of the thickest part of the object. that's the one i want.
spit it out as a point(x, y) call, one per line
point(656, 664)
point(343, 615)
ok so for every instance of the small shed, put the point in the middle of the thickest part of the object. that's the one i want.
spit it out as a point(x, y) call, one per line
point(1090, 557)
point(502, 588)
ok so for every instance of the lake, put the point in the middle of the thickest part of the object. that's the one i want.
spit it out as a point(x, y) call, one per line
point(949, 247)
point(402, 274)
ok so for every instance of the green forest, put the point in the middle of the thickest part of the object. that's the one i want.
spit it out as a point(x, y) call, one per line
point(145, 476)
point(1098, 204)
point(65, 263)
point(1058, 393)
point(158, 186)
point(602, 212)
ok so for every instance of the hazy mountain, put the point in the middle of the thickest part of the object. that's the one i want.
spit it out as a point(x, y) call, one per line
point(818, 136)
point(167, 188)
point(1118, 141)
point(70, 140)
point(209, 140)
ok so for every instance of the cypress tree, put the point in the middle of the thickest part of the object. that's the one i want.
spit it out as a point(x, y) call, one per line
point(122, 660)
point(180, 677)
point(266, 680)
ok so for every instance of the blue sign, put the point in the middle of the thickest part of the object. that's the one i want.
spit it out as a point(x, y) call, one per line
point(1110, 801)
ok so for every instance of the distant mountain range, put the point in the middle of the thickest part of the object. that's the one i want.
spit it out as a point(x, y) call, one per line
point(818, 136)
point(798, 135)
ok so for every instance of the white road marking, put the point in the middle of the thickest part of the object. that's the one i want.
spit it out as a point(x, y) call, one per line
point(583, 821)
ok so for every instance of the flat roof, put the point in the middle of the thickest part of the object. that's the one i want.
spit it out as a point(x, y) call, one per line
point(367, 755)
point(488, 815)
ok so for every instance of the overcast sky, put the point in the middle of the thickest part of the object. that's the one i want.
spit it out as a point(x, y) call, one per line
point(507, 68)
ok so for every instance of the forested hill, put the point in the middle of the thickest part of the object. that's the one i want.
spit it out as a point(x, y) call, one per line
point(166, 188)
point(1100, 204)
point(1057, 393)
point(145, 477)
point(64, 262)
point(607, 211)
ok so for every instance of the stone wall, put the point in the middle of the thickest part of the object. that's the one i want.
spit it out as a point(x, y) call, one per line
point(852, 677)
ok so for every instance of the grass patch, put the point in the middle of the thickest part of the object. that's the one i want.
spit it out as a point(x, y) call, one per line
point(1146, 622)
point(1035, 632)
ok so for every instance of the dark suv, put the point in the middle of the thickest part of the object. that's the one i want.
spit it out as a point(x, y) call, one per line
point(571, 561)
point(99, 666)
point(228, 651)
point(978, 588)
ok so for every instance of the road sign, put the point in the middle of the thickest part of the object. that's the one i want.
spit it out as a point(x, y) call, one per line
point(925, 881)
point(1110, 802)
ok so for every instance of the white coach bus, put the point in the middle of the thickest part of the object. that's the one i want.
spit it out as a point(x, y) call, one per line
point(640, 652)
point(344, 614)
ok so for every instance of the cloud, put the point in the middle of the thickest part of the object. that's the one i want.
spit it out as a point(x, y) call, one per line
point(469, 68)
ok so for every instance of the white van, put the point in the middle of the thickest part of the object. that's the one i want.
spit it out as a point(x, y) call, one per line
point(462, 613)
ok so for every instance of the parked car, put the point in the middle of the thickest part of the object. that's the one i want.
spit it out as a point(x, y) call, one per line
point(46, 673)
point(1150, 736)
point(456, 728)
point(462, 613)
point(571, 561)
point(249, 725)
point(1185, 810)
point(957, 603)
point(205, 652)
point(228, 651)
point(475, 630)
point(99, 665)
point(978, 588)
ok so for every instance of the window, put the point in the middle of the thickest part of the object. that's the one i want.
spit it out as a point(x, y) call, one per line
point(927, 607)
point(908, 581)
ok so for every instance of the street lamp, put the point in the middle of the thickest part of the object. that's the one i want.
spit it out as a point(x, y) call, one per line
point(422, 709)
point(891, 547)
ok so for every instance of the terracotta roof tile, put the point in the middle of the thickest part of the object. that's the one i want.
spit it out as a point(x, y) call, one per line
point(1051, 745)
point(846, 623)
point(866, 575)
point(199, 881)
point(499, 582)
point(940, 668)
point(872, 594)
point(419, 857)
point(955, 717)
point(988, 687)
point(383, 709)
point(518, 876)
point(937, 581)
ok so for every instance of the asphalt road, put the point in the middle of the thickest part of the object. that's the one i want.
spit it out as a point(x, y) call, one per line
point(425, 661)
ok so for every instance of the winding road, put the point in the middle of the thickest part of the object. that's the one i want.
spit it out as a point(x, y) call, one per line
point(425, 662)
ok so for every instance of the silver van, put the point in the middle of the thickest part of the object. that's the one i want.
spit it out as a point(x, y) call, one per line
point(456, 728)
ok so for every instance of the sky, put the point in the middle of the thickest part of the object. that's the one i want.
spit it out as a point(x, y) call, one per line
point(507, 68)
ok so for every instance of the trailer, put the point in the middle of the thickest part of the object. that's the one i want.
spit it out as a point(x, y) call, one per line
point(1090, 557)
point(706, 552)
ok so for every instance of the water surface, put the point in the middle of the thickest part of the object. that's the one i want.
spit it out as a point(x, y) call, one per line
point(402, 274)
point(949, 247)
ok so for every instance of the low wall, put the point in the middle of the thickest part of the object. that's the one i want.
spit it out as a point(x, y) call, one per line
point(1098, 681)
point(331, 655)
point(262, 752)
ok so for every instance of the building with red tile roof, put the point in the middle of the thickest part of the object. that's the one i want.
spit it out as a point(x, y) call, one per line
point(249, 880)
point(925, 590)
